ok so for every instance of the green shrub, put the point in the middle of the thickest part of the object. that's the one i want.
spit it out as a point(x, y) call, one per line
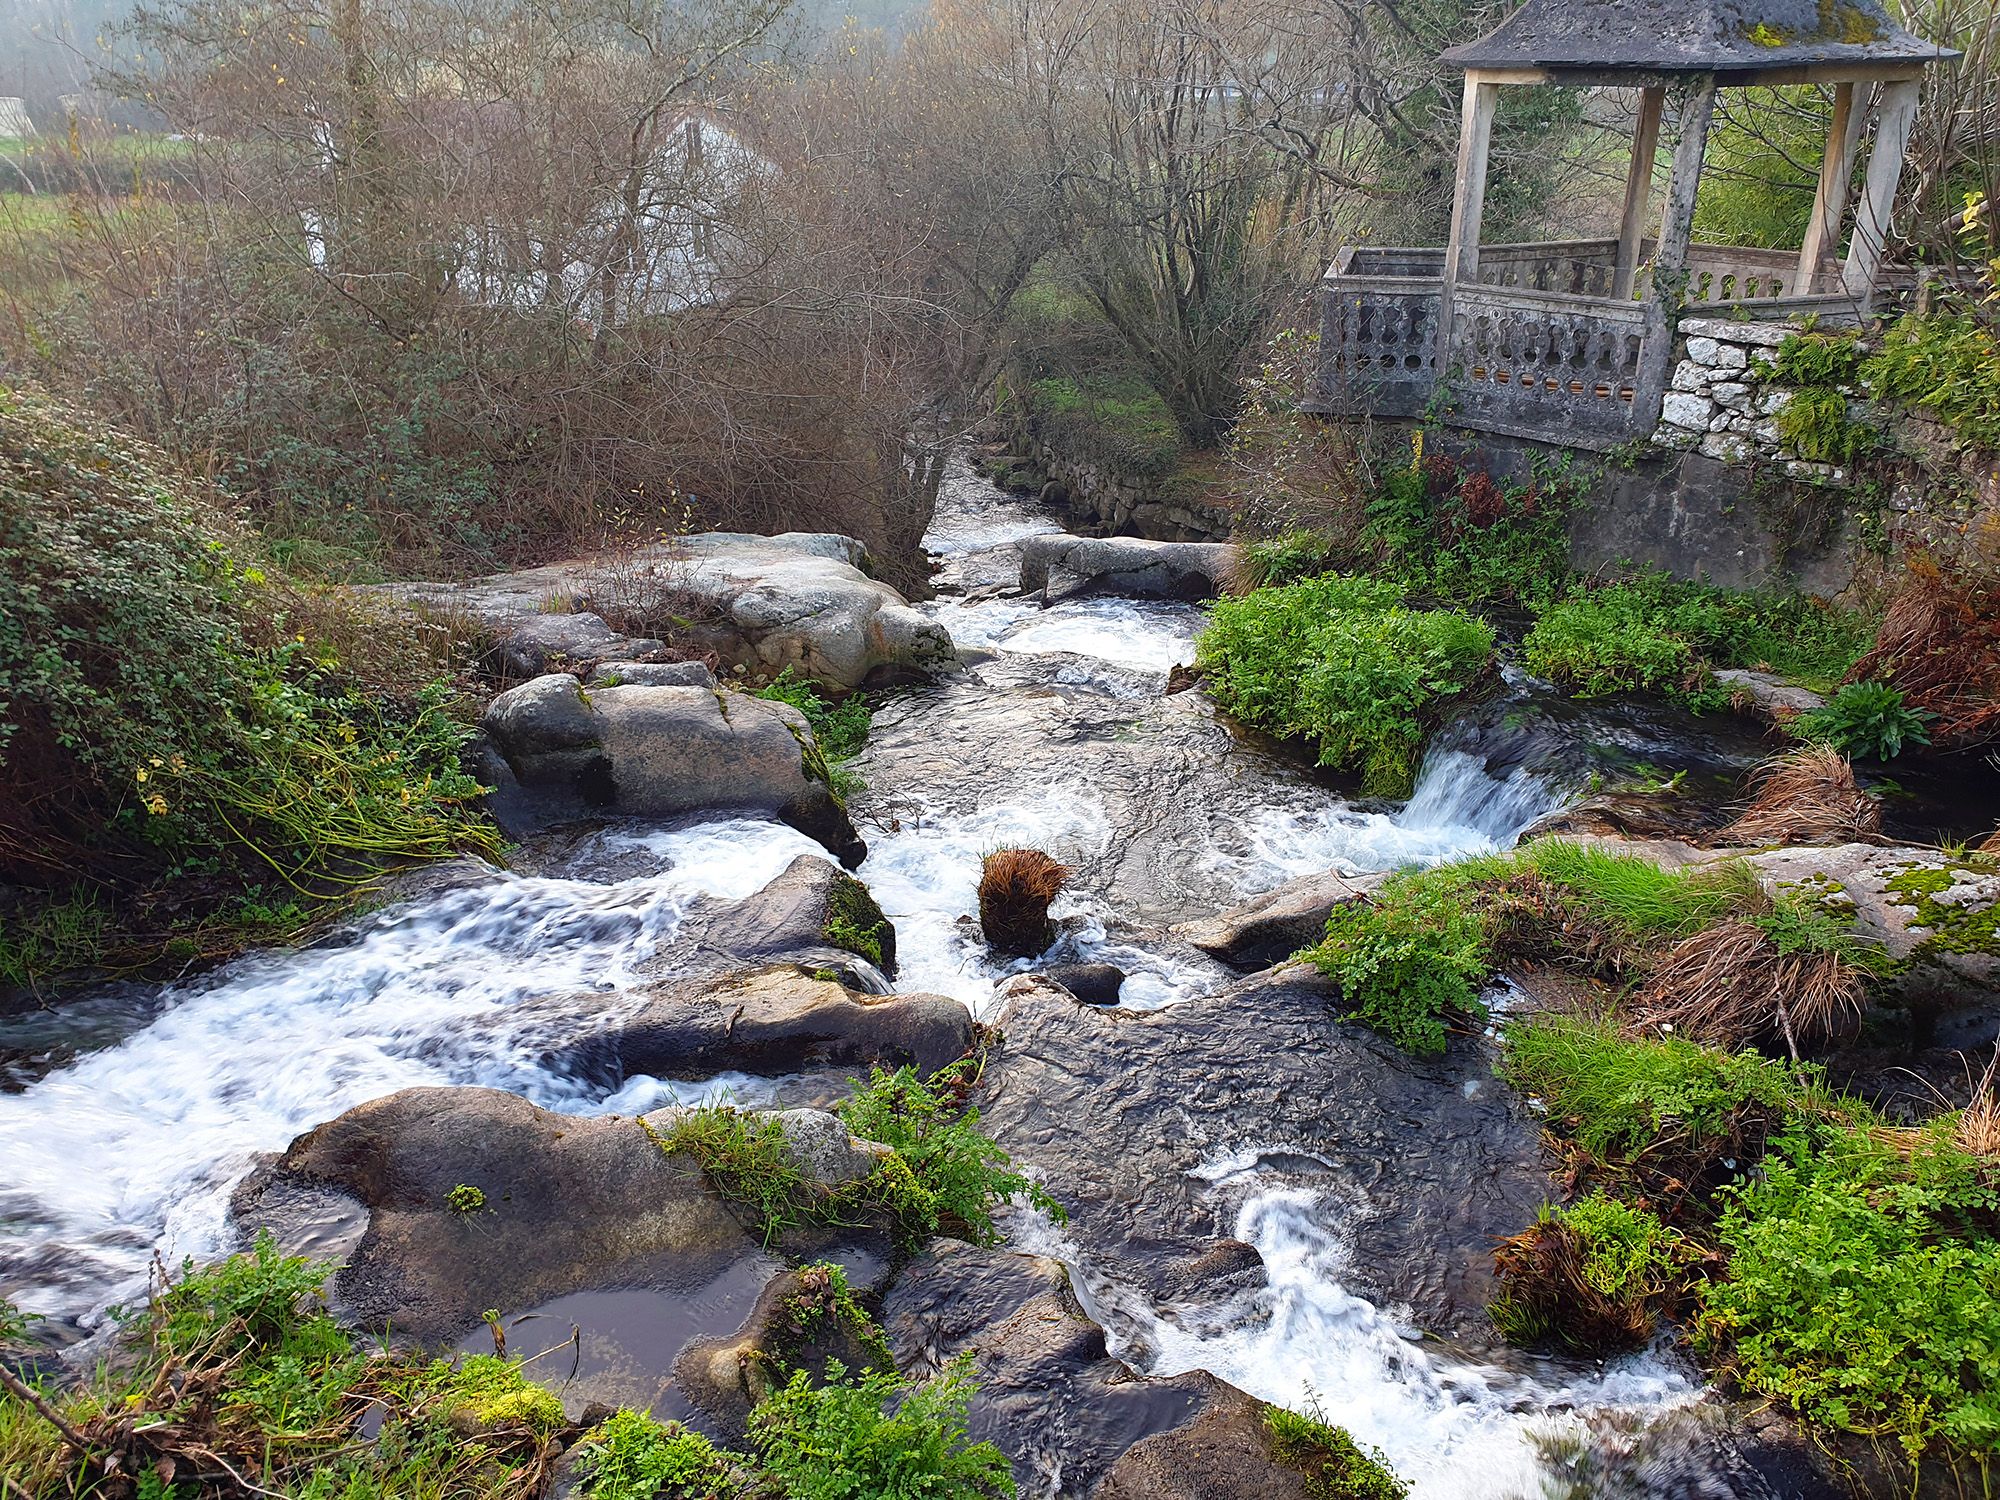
point(1865, 720)
point(1335, 1467)
point(957, 1174)
point(944, 1176)
point(1818, 359)
point(1337, 660)
point(1118, 420)
point(840, 727)
point(876, 1437)
point(1596, 1277)
point(1609, 642)
point(158, 713)
point(1864, 1289)
point(1620, 1099)
point(1448, 532)
point(1815, 426)
point(629, 1456)
point(1295, 555)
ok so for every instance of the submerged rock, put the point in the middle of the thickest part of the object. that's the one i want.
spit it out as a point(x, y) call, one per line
point(1059, 562)
point(1154, 1130)
point(642, 751)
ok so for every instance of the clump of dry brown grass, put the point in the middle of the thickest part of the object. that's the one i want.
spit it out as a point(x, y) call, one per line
point(1807, 796)
point(1939, 645)
point(1732, 983)
point(1597, 1278)
point(1975, 1130)
point(1015, 889)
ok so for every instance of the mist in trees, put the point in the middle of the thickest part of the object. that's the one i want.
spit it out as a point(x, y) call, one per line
point(435, 285)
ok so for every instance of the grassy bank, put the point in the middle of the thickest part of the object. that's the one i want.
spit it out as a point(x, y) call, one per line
point(197, 753)
point(1817, 1255)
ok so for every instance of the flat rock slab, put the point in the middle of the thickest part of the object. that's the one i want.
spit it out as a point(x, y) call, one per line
point(1270, 928)
point(1126, 565)
point(1132, 1119)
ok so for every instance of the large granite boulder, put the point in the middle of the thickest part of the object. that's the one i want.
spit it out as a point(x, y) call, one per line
point(1061, 563)
point(643, 751)
point(801, 600)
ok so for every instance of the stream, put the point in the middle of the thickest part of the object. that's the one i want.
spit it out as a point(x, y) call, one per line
point(127, 1117)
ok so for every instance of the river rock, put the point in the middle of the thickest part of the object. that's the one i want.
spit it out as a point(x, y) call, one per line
point(1270, 928)
point(790, 919)
point(1129, 1116)
point(570, 1204)
point(772, 1021)
point(1767, 695)
point(1050, 1396)
point(801, 600)
point(660, 751)
point(1924, 906)
point(1126, 565)
point(1093, 984)
point(651, 674)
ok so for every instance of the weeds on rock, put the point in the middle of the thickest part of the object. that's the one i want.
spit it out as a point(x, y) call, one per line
point(1016, 887)
point(1868, 719)
point(629, 1456)
point(1334, 1466)
point(1597, 1277)
point(854, 921)
point(1807, 796)
point(944, 1176)
point(1939, 647)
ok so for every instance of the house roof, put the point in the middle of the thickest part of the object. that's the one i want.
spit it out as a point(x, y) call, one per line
point(1735, 37)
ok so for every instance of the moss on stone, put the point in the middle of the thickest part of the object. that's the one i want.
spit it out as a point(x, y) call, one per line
point(854, 922)
point(1954, 926)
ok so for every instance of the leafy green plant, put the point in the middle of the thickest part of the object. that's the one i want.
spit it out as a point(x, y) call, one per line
point(876, 1437)
point(958, 1174)
point(1408, 959)
point(1864, 1289)
point(1610, 642)
point(465, 1199)
point(1339, 661)
point(1866, 720)
point(629, 1456)
point(1947, 365)
point(841, 727)
point(1814, 424)
point(1334, 1466)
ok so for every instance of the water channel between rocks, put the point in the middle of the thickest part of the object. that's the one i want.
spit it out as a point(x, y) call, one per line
point(138, 1111)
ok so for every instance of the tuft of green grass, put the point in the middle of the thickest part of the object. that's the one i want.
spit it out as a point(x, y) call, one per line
point(1334, 1466)
point(629, 1456)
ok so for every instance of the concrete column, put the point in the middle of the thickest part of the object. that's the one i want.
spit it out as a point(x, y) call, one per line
point(1830, 200)
point(1663, 301)
point(1468, 201)
point(1638, 190)
point(1878, 197)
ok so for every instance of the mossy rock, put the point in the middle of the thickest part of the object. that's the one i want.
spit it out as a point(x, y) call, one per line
point(854, 921)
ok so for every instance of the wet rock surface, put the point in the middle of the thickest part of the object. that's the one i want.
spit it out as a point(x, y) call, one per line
point(775, 1021)
point(567, 1204)
point(1270, 928)
point(1059, 564)
point(1050, 1396)
point(1128, 1116)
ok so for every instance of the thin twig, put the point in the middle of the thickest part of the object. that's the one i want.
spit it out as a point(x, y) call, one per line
point(49, 1414)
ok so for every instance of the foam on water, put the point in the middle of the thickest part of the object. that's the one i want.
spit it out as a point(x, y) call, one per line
point(1459, 808)
point(1455, 1430)
point(1151, 636)
point(138, 1145)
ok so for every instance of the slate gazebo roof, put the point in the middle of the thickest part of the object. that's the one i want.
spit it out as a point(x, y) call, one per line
point(1737, 40)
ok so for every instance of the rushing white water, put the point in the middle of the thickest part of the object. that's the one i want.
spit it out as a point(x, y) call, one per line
point(137, 1146)
point(1454, 1429)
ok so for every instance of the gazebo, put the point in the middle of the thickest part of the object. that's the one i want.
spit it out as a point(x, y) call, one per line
point(1572, 341)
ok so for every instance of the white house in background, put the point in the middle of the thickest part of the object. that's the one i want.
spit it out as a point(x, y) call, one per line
point(14, 122)
point(669, 254)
